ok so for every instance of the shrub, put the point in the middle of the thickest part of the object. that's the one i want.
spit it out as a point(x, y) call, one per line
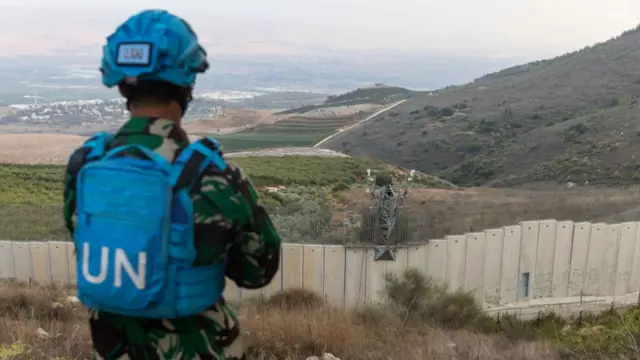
point(417, 298)
point(295, 299)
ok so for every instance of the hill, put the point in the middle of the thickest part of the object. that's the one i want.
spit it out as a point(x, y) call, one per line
point(572, 118)
point(377, 94)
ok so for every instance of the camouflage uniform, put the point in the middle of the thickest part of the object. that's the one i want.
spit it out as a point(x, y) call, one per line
point(228, 220)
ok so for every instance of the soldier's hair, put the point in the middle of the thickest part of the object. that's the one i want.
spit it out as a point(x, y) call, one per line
point(152, 92)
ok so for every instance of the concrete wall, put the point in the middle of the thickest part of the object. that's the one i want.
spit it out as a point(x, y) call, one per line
point(524, 268)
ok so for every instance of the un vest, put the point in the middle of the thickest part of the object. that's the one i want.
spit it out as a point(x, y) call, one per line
point(134, 233)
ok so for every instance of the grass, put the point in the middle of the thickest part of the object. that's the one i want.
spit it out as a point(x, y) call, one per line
point(291, 132)
point(419, 321)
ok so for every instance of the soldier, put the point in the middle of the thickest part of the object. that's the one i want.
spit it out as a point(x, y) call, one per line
point(158, 222)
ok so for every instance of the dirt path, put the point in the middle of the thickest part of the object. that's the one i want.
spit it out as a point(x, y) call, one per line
point(359, 122)
point(302, 151)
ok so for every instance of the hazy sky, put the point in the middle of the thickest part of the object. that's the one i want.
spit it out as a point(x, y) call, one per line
point(529, 28)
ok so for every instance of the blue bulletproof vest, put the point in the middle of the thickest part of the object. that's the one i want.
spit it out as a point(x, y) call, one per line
point(134, 231)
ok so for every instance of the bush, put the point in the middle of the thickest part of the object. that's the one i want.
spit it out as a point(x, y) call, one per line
point(417, 298)
point(295, 299)
point(446, 112)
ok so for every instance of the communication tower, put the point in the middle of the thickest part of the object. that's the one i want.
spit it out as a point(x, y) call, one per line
point(389, 199)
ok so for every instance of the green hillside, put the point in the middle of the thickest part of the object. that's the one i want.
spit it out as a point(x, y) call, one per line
point(570, 118)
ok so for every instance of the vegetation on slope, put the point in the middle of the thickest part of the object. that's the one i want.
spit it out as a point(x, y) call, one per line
point(419, 321)
point(378, 94)
point(567, 119)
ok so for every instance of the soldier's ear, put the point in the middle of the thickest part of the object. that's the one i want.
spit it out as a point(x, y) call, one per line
point(123, 91)
point(187, 92)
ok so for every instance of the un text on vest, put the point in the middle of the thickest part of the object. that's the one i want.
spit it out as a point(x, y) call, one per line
point(121, 262)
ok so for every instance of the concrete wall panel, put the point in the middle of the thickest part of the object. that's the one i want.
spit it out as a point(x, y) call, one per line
point(610, 268)
point(562, 259)
point(510, 264)
point(625, 258)
point(456, 261)
point(635, 274)
point(22, 261)
point(355, 276)
point(334, 274)
point(313, 268)
point(579, 258)
point(417, 258)
point(58, 258)
point(292, 265)
point(376, 271)
point(71, 256)
point(493, 267)
point(6, 259)
point(544, 259)
point(437, 261)
point(40, 266)
point(528, 260)
point(474, 269)
point(595, 261)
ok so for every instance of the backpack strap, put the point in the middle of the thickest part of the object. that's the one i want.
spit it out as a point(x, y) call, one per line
point(98, 145)
point(194, 160)
point(92, 149)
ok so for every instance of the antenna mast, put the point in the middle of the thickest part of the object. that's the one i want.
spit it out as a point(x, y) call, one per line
point(389, 199)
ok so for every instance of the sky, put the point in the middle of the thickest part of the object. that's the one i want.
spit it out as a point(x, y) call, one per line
point(489, 28)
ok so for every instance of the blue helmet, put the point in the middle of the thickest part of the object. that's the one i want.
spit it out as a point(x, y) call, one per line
point(153, 45)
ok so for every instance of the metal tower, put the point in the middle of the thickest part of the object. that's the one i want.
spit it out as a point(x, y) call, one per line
point(389, 199)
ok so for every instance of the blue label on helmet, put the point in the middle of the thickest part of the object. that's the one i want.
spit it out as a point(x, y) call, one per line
point(134, 54)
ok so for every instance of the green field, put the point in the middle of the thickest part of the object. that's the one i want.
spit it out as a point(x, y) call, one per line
point(31, 195)
point(292, 132)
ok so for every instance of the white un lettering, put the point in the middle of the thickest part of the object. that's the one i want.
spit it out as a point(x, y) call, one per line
point(121, 262)
point(135, 54)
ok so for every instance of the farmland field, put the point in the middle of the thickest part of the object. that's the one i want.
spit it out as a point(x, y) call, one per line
point(291, 132)
point(326, 189)
point(31, 195)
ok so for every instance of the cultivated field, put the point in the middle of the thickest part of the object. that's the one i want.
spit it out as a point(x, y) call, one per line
point(232, 118)
point(38, 148)
point(54, 149)
point(298, 131)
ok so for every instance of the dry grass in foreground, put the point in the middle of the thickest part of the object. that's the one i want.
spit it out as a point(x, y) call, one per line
point(420, 321)
point(275, 329)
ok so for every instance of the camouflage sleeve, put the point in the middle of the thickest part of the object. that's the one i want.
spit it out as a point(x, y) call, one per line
point(76, 160)
point(232, 203)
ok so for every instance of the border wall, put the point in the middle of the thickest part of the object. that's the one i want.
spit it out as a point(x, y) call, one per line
point(522, 269)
